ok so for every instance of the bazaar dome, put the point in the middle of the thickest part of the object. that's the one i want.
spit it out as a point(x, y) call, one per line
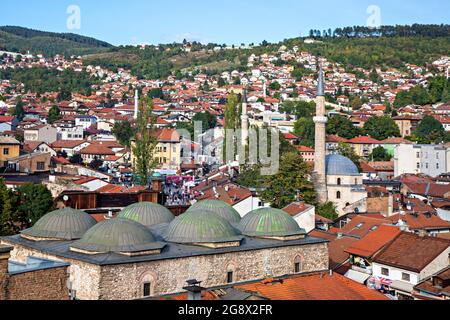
point(219, 207)
point(147, 213)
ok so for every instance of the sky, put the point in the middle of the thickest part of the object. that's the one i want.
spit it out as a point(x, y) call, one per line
point(134, 22)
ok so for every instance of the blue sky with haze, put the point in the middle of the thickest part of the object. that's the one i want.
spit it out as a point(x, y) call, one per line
point(218, 21)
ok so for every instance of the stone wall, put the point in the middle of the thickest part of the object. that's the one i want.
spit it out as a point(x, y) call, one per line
point(125, 282)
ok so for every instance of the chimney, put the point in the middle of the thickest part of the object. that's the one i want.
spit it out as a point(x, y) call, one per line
point(194, 290)
point(390, 205)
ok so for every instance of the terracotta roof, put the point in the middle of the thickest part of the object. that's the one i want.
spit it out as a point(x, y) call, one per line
point(296, 207)
point(429, 189)
point(97, 150)
point(110, 188)
point(318, 286)
point(411, 252)
point(396, 141)
point(421, 221)
point(69, 144)
point(289, 136)
point(304, 149)
point(7, 118)
point(336, 139)
point(374, 241)
point(361, 225)
point(364, 140)
point(427, 284)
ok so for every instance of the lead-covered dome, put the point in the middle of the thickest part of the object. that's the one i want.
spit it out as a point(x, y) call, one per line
point(64, 224)
point(219, 207)
point(196, 227)
point(147, 213)
point(340, 166)
point(119, 236)
point(270, 223)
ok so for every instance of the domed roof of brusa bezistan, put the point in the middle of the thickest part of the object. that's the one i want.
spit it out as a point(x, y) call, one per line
point(120, 236)
point(147, 213)
point(64, 224)
point(202, 227)
point(219, 207)
point(337, 165)
point(271, 223)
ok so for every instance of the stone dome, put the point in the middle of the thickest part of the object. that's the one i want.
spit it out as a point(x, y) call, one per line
point(220, 208)
point(196, 227)
point(147, 213)
point(338, 165)
point(64, 224)
point(269, 223)
point(119, 236)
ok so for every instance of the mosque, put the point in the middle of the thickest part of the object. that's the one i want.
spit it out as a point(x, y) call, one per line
point(336, 178)
point(147, 252)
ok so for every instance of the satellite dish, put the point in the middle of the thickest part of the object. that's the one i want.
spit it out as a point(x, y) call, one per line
point(66, 198)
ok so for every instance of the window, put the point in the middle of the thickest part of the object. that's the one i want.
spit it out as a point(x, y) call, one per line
point(418, 165)
point(339, 181)
point(297, 267)
point(338, 195)
point(41, 166)
point(437, 165)
point(385, 271)
point(230, 277)
point(147, 289)
point(418, 155)
point(406, 277)
point(6, 151)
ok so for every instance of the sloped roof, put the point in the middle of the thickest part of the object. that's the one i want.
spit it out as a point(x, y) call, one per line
point(411, 252)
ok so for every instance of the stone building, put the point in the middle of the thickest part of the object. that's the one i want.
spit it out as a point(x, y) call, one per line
point(35, 279)
point(147, 252)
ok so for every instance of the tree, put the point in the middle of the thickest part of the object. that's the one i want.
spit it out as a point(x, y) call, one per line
point(430, 130)
point(54, 114)
point(343, 127)
point(7, 226)
point(304, 128)
point(380, 154)
point(232, 119)
point(34, 201)
point(289, 183)
point(221, 82)
point(275, 86)
point(208, 120)
point(64, 95)
point(96, 164)
point(145, 143)
point(123, 131)
point(76, 159)
point(156, 93)
point(300, 109)
point(381, 128)
point(356, 103)
point(19, 112)
point(327, 210)
point(346, 150)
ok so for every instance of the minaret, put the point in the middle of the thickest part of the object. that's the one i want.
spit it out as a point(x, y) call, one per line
point(319, 176)
point(264, 89)
point(244, 119)
point(136, 104)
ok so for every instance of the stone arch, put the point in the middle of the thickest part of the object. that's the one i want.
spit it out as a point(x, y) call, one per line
point(145, 279)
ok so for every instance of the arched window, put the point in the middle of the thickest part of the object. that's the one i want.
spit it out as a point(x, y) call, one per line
point(338, 195)
point(339, 181)
point(297, 265)
point(147, 285)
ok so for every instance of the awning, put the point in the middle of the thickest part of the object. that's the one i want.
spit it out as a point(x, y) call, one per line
point(357, 276)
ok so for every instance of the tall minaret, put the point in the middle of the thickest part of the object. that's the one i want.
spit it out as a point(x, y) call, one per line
point(244, 119)
point(320, 179)
point(264, 89)
point(136, 104)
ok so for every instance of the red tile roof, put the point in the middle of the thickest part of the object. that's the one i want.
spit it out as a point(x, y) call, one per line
point(374, 241)
point(411, 252)
point(364, 140)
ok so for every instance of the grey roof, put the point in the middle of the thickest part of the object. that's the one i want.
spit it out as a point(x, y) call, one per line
point(61, 249)
point(147, 213)
point(33, 264)
point(269, 222)
point(340, 165)
point(219, 207)
point(118, 235)
point(8, 140)
point(64, 224)
point(321, 84)
point(197, 227)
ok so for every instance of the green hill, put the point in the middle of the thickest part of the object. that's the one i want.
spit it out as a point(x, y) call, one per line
point(18, 39)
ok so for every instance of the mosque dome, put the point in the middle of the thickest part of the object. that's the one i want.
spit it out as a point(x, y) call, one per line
point(270, 223)
point(64, 224)
point(196, 227)
point(340, 165)
point(147, 213)
point(220, 208)
point(118, 236)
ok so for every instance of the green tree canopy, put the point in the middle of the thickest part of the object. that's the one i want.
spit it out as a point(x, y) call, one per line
point(381, 128)
point(123, 131)
point(54, 114)
point(380, 154)
point(304, 128)
point(343, 127)
point(430, 130)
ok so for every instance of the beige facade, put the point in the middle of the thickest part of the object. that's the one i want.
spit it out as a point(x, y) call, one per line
point(344, 191)
point(126, 281)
